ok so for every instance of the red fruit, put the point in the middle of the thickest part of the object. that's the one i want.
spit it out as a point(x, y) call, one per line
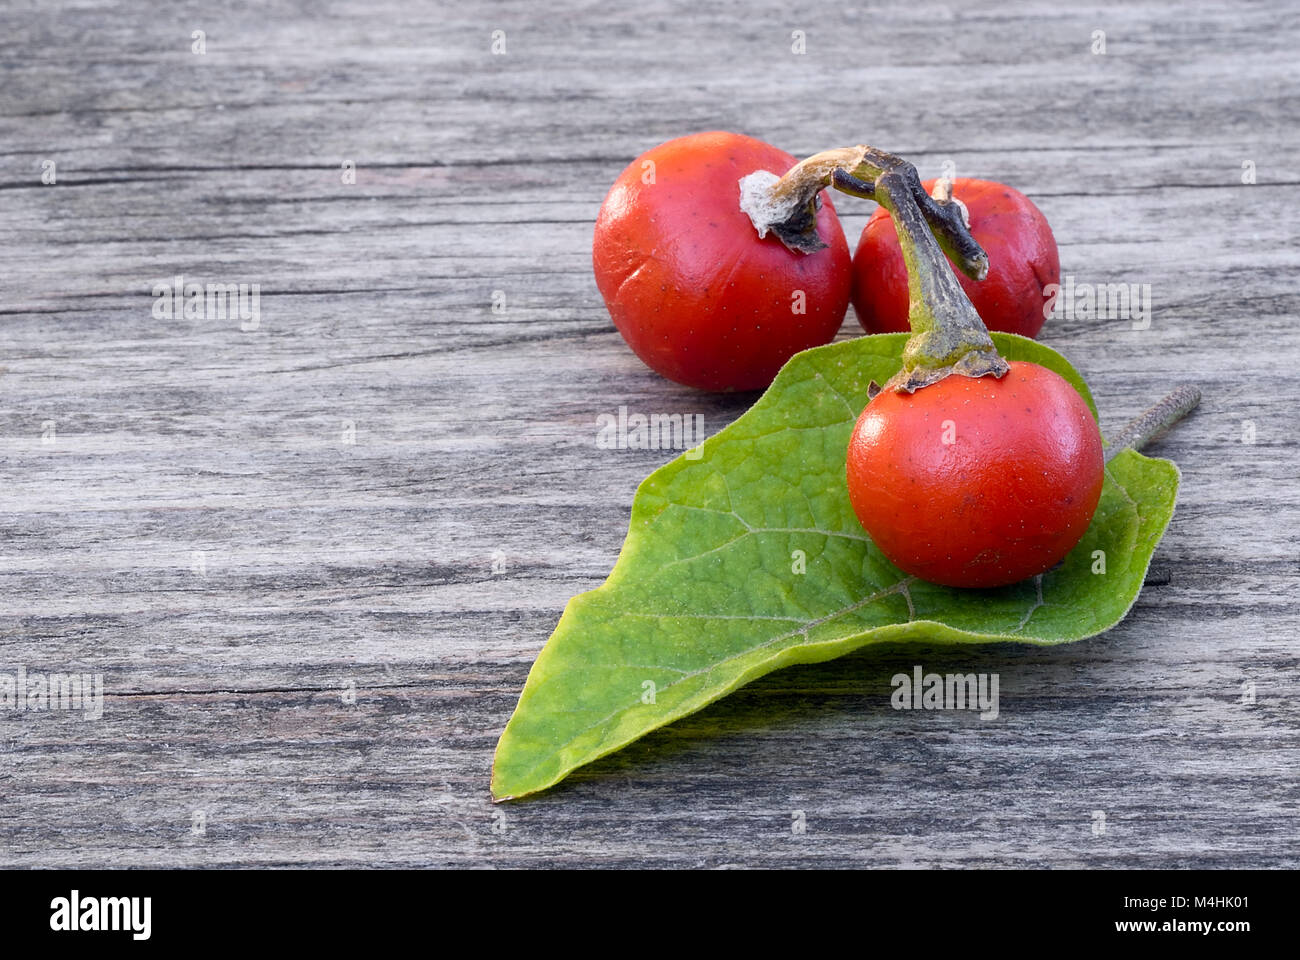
point(977, 481)
point(1022, 262)
point(690, 285)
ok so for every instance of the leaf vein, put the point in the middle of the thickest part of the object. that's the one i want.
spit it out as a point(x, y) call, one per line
point(802, 631)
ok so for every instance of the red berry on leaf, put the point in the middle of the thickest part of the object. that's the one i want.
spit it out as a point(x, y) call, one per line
point(1023, 262)
point(977, 481)
point(691, 286)
point(964, 469)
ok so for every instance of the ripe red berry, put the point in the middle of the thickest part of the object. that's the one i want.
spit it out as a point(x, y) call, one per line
point(1023, 261)
point(690, 285)
point(977, 481)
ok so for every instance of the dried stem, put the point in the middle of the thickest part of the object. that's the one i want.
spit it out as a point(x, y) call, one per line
point(787, 205)
point(1143, 429)
point(948, 336)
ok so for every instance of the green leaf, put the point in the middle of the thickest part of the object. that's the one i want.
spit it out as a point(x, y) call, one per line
point(704, 597)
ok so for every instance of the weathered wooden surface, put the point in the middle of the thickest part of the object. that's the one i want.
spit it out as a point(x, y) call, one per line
point(326, 563)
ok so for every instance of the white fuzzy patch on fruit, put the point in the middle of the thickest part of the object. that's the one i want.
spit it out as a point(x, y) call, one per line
point(757, 202)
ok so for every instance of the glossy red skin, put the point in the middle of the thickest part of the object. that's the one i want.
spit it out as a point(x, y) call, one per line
point(1008, 499)
point(1023, 260)
point(688, 282)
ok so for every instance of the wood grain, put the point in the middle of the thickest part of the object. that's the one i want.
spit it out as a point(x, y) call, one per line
point(192, 445)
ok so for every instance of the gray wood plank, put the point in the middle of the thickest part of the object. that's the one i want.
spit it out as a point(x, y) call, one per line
point(199, 533)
